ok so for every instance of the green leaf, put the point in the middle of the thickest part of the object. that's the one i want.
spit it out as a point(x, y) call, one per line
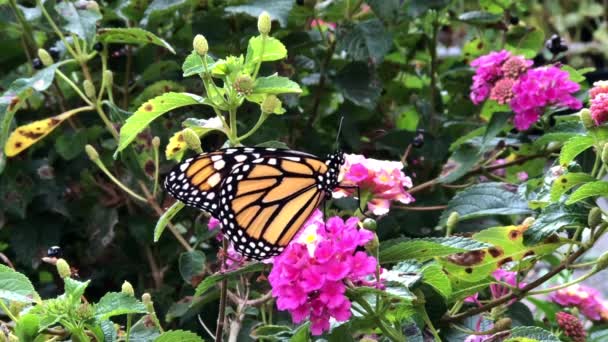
point(81, 21)
point(178, 335)
point(275, 85)
point(387, 10)
point(277, 9)
point(132, 35)
point(567, 181)
point(301, 334)
point(465, 138)
point(574, 75)
point(193, 64)
point(495, 126)
point(143, 331)
point(508, 245)
point(273, 50)
point(427, 248)
point(552, 219)
point(210, 281)
point(27, 327)
point(573, 147)
point(157, 10)
point(70, 145)
point(461, 162)
point(118, 303)
point(191, 264)
point(479, 18)
point(359, 85)
point(533, 333)
point(484, 200)
point(593, 189)
point(15, 286)
point(271, 332)
point(156, 89)
point(367, 40)
point(74, 289)
point(526, 41)
point(434, 276)
point(151, 110)
point(166, 218)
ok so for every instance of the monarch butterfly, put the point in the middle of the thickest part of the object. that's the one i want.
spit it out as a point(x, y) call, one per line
point(262, 196)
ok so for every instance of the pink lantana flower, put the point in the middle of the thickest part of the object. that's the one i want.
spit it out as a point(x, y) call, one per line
point(587, 299)
point(488, 70)
point(599, 102)
point(539, 88)
point(383, 179)
point(308, 278)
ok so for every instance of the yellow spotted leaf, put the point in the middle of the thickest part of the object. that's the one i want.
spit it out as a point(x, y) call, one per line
point(27, 135)
point(176, 147)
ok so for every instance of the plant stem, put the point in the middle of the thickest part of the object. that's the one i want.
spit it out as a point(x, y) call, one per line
point(107, 121)
point(233, 129)
point(129, 322)
point(259, 64)
point(257, 125)
point(563, 286)
point(74, 86)
point(125, 98)
point(56, 29)
point(119, 183)
point(156, 171)
point(7, 311)
point(223, 293)
point(433, 71)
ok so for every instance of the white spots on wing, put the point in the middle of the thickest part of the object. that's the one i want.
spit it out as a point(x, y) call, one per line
point(214, 179)
point(240, 158)
point(272, 161)
point(184, 166)
point(246, 167)
point(257, 161)
point(216, 157)
point(211, 195)
point(218, 165)
point(296, 159)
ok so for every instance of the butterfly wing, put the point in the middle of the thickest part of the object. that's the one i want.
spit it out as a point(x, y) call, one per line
point(265, 202)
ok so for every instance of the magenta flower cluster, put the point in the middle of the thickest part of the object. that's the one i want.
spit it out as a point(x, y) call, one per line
point(598, 98)
point(587, 299)
point(308, 278)
point(383, 179)
point(509, 79)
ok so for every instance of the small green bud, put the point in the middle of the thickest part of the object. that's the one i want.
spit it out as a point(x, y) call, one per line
point(108, 78)
point(93, 5)
point(89, 89)
point(243, 84)
point(200, 44)
point(91, 152)
point(127, 288)
point(528, 221)
point(604, 155)
point(146, 298)
point(156, 142)
point(16, 307)
point(370, 224)
point(502, 324)
point(270, 104)
point(45, 57)
point(63, 268)
point(192, 140)
point(264, 23)
point(372, 246)
point(586, 118)
point(602, 263)
point(452, 220)
point(595, 217)
point(84, 311)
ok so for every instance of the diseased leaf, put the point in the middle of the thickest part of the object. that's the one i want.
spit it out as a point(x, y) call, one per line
point(573, 147)
point(27, 135)
point(434, 276)
point(118, 303)
point(592, 189)
point(553, 218)
point(567, 181)
point(151, 110)
point(508, 246)
point(484, 200)
point(132, 35)
point(427, 248)
point(210, 281)
point(461, 162)
point(177, 145)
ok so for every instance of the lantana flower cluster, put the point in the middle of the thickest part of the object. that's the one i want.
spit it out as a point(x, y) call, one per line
point(511, 80)
point(587, 299)
point(383, 179)
point(309, 277)
point(598, 99)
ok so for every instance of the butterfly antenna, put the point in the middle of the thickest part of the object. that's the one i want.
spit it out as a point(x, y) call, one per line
point(337, 144)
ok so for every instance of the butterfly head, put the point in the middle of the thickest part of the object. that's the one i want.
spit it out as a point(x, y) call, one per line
point(334, 163)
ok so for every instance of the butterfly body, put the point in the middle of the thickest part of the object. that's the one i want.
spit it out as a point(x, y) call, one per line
point(262, 196)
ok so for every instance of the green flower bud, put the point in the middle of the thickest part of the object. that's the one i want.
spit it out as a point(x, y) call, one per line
point(528, 221)
point(372, 246)
point(370, 224)
point(502, 324)
point(93, 5)
point(243, 84)
point(264, 23)
point(192, 140)
point(84, 311)
point(156, 142)
point(602, 263)
point(595, 217)
point(200, 44)
point(108, 77)
point(146, 298)
point(91, 152)
point(63, 268)
point(452, 220)
point(604, 155)
point(270, 104)
point(89, 89)
point(45, 58)
point(127, 288)
point(586, 118)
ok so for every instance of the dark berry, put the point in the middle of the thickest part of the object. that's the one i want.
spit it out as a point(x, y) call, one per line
point(418, 141)
point(556, 44)
point(37, 64)
point(98, 47)
point(300, 2)
point(54, 251)
point(54, 52)
point(514, 20)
